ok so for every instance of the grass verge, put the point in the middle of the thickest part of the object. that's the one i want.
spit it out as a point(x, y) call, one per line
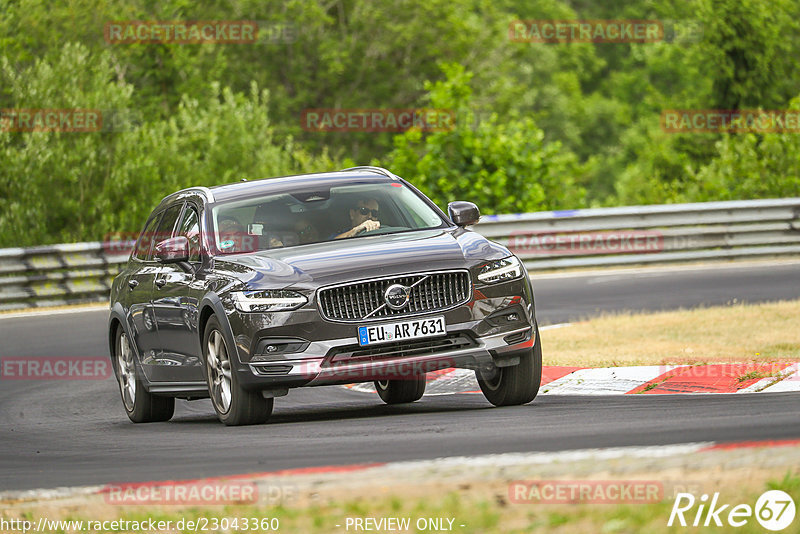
point(741, 333)
point(461, 510)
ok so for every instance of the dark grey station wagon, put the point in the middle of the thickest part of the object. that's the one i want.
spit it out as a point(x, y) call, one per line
point(242, 292)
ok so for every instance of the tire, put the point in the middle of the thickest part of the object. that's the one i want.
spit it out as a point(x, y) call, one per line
point(401, 391)
point(141, 406)
point(234, 406)
point(519, 384)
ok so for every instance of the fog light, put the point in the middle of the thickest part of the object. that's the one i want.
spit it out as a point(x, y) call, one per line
point(274, 348)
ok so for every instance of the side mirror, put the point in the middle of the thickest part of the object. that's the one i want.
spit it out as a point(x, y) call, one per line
point(174, 250)
point(463, 213)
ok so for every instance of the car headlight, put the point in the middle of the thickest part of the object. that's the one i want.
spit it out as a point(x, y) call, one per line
point(268, 300)
point(501, 270)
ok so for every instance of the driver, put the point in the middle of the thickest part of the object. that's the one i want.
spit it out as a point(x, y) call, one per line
point(231, 233)
point(363, 218)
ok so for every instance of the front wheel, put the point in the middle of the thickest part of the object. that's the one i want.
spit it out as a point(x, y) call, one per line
point(139, 404)
point(518, 384)
point(234, 405)
point(401, 391)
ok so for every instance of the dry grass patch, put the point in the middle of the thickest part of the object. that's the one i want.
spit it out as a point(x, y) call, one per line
point(740, 333)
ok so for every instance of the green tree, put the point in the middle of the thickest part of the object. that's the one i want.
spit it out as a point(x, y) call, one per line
point(752, 166)
point(72, 186)
point(503, 166)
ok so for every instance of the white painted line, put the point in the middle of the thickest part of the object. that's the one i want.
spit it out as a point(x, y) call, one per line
point(528, 458)
point(48, 494)
point(790, 383)
point(606, 380)
point(40, 313)
point(768, 381)
point(758, 386)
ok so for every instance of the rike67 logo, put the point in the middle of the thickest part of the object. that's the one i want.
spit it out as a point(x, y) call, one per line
point(774, 510)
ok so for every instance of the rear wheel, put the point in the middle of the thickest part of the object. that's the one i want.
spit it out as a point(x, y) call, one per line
point(139, 404)
point(401, 391)
point(518, 384)
point(233, 404)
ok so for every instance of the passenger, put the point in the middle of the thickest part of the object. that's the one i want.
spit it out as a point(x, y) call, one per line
point(306, 232)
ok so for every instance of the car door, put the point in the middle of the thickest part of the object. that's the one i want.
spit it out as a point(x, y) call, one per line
point(156, 365)
point(176, 297)
point(138, 291)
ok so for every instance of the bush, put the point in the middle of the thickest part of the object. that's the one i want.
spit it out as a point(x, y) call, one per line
point(70, 186)
point(504, 167)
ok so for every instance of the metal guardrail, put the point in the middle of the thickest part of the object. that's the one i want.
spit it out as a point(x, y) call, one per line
point(57, 274)
point(82, 272)
point(649, 234)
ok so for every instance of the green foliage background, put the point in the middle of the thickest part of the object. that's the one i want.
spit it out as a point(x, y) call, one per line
point(540, 126)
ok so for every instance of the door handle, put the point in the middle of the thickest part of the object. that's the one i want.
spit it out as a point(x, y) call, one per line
point(133, 284)
point(161, 282)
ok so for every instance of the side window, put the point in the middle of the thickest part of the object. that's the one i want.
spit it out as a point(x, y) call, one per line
point(190, 228)
point(145, 242)
point(167, 224)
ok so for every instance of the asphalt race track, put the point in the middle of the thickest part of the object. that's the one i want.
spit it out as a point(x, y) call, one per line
point(67, 433)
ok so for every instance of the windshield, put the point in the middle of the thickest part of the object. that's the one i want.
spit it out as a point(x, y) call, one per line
point(341, 212)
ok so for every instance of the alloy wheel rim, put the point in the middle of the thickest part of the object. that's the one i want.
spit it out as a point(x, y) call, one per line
point(219, 371)
point(127, 372)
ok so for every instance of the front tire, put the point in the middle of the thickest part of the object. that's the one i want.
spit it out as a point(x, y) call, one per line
point(139, 404)
point(234, 405)
point(401, 391)
point(519, 384)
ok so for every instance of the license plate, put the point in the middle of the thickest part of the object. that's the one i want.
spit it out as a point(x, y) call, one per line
point(400, 331)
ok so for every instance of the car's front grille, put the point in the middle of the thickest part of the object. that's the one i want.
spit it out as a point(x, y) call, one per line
point(401, 349)
point(429, 292)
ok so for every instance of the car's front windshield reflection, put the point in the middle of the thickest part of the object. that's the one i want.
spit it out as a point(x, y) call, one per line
point(341, 212)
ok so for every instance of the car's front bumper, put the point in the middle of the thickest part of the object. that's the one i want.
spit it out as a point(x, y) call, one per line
point(324, 356)
point(487, 351)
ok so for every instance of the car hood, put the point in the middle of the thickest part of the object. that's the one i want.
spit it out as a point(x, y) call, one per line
point(364, 257)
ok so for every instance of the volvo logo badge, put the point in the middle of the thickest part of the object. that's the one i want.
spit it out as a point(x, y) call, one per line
point(397, 296)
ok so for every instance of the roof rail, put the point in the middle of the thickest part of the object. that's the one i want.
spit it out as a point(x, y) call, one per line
point(378, 170)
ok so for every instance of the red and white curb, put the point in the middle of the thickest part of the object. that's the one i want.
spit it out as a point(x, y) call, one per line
point(751, 377)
